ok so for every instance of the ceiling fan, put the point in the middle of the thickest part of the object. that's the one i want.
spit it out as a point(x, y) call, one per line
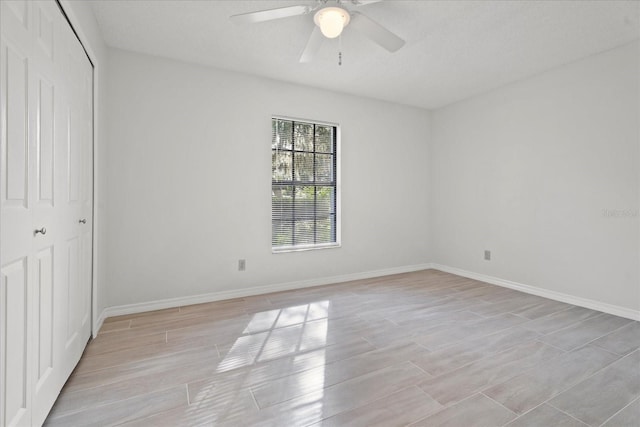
point(330, 18)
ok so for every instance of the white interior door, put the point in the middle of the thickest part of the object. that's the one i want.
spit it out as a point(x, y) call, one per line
point(45, 197)
point(76, 126)
point(46, 88)
point(16, 226)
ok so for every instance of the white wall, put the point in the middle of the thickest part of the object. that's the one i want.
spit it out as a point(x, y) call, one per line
point(527, 170)
point(189, 181)
point(81, 16)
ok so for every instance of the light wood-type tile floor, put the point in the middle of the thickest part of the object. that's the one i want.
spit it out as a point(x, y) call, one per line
point(422, 349)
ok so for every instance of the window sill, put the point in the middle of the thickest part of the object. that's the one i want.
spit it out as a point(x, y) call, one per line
point(287, 249)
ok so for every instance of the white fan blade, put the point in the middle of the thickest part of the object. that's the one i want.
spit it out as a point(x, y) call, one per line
point(376, 32)
point(268, 15)
point(313, 45)
point(365, 2)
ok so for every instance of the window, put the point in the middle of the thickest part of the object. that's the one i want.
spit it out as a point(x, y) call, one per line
point(303, 185)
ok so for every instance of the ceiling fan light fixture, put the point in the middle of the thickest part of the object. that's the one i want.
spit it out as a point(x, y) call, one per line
point(331, 21)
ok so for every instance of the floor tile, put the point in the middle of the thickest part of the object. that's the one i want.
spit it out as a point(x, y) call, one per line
point(329, 374)
point(115, 326)
point(468, 330)
point(477, 410)
point(109, 343)
point(134, 354)
point(462, 383)
point(560, 320)
point(314, 407)
point(538, 309)
point(398, 409)
point(518, 301)
point(140, 368)
point(524, 392)
point(419, 315)
point(601, 396)
point(455, 356)
point(629, 416)
point(232, 406)
point(545, 415)
point(259, 374)
point(584, 332)
point(139, 385)
point(623, 341)
point(405, 333)
point(124, 410)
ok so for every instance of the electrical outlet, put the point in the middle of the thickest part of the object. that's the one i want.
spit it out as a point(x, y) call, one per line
point(242, 265)
point(487, 255)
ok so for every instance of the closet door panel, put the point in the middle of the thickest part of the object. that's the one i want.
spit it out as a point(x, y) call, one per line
point(45, 15)
point(45, 143)
point(43, 317)
point(72, 277)
point(85, 259)
point(16, 226)
point(16, 20)
point(15, 373)
point(16, 148)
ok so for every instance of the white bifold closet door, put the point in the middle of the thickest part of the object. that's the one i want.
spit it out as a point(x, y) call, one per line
point(46, 184)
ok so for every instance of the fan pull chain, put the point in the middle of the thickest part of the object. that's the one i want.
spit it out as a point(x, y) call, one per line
point(340, 50)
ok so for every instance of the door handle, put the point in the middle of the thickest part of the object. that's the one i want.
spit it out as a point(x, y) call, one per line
point(42, 231)
point(83, 221)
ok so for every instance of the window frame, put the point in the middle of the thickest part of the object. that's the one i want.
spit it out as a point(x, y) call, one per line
point(338, 213)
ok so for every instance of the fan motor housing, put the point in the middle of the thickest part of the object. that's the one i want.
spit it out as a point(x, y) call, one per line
point(332, 20)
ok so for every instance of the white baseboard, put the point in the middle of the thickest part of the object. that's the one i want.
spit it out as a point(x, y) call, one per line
point(245, 292)
point(557, 296)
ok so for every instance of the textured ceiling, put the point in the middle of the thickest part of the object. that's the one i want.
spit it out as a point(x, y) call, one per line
point(454, 50)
